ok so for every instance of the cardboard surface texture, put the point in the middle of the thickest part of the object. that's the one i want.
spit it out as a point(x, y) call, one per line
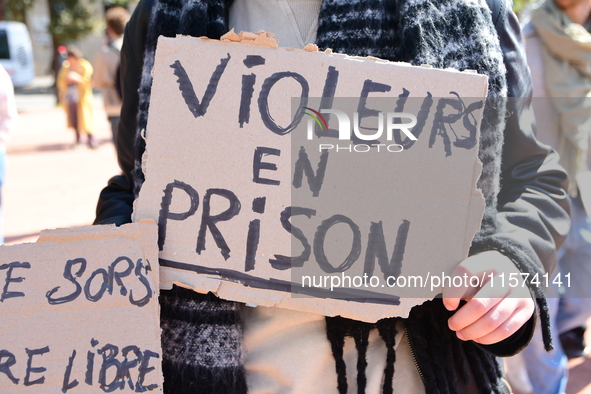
point(80, 313)
point(228, 134)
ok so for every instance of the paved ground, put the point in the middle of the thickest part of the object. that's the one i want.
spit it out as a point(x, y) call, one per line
point(580, 375)
point(51, 185)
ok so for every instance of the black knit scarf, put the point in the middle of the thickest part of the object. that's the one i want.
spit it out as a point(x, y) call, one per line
point(202, 334)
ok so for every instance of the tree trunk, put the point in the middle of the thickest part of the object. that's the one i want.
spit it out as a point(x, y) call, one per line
point(56, 61)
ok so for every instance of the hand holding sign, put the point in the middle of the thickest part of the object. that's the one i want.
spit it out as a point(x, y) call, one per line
point(495, 308)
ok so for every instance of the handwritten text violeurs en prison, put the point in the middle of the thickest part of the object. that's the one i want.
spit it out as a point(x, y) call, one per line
point(445, 111)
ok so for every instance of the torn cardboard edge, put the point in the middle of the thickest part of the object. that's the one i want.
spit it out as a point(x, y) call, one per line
point(477, 206)
point(266, 39)
point(210, 281)
point(355, 309)
point(132, 231)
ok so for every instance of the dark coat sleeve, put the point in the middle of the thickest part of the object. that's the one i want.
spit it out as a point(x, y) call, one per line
point(533, 207)
point(115, 203)
point(533, 184)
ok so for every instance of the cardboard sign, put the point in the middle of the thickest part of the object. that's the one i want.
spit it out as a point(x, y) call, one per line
point(328, 213)
point(79, 312)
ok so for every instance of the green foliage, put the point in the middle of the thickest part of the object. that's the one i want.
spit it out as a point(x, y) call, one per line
point(71, 20)
point(16, 10)
point(117, 3)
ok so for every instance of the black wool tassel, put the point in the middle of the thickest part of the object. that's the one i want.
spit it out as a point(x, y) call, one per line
point(387, 330)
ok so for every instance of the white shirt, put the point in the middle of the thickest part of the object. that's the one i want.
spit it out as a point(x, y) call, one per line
point(8, 112)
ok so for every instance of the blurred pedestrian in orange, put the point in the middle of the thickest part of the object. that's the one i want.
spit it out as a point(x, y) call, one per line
point(75, 90)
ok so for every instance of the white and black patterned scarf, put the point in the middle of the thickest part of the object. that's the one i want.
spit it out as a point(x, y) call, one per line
point(202, 334)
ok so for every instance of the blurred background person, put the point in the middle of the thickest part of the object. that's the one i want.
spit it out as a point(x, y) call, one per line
point(8, 121)
point(558, 47)
point(75, 90)
point(58, 61)
point(106, 66)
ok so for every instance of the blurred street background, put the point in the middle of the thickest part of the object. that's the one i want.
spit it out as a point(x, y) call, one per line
point(49, 184)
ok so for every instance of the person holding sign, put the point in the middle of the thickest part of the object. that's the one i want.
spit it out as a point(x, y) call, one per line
point(445, 345)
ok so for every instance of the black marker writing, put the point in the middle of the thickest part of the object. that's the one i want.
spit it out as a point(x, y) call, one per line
point(102, 281)
point(67, 384)
point(252, 243)
point(104, 285)
point(72, 278)
point(330, 87)
point(126, 365)
point(187, 91)
point(376, 247)
point(319, 244)
point(248, 82)
point(421, 121)
point(258, 164)
point(258, 204)
point(285, 262)
point(5, 365)
point(30, 369)
point(116, 277)
point(263, 102)
point(303, 166)
point(209, 221)
point(461, 111)
point(90, 363)
point(253, 60)
point(369, 86)
point(144, 281)
point(9, 279)
point(145, 369)
point(109, 353)
point(165, 214)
